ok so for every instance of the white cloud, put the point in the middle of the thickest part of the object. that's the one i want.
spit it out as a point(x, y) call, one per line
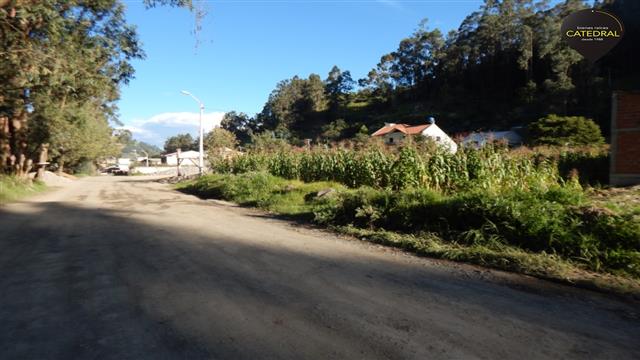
point(159, 127)
point(184, 119)
point(135, 130)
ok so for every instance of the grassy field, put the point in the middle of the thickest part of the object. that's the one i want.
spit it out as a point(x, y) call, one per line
point(13, 188)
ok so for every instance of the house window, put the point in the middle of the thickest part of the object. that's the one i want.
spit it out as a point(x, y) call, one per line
point(390, 140)
point(437, 138)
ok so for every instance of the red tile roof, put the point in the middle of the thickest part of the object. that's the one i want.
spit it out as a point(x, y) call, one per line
point(403, 128)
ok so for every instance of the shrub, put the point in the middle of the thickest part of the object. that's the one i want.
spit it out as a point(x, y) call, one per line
point(548, 221)
point(565, 130)
point(86, 168)
point(590, 167)
point(266, 141)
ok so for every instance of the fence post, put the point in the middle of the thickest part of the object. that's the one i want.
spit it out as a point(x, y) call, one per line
point(178, 153)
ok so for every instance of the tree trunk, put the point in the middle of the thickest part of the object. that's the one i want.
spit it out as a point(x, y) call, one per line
point(42, 160)
point(14, 146)
point(61, 164)
point(5, 148)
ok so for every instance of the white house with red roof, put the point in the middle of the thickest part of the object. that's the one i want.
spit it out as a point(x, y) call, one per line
point(396, 133)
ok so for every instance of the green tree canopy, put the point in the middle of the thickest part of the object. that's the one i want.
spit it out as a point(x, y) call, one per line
point(220, 138)
point(292, 108)
point(338, 85)
point(61, 66)
point(333, 130)
point(184, 142)
point(565, 130)
point(241, 125)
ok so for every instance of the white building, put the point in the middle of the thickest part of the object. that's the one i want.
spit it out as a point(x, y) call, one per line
point(480, 139)
point(396, 133)
point(124, 163)
point(189, 158)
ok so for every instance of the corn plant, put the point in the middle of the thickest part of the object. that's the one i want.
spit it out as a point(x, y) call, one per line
point(491, 168)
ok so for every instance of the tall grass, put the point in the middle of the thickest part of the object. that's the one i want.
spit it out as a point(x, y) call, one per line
point(490, 168)
point(13, 188)
point(587, 164)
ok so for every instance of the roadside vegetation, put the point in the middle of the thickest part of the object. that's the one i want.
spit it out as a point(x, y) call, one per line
point(517, 210)
point(13, 188)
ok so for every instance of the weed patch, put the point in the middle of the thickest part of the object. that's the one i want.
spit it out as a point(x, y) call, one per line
point(13, 188)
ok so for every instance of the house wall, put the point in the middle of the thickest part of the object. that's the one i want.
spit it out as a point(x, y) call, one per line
point(482, 138)
point(190, 158)
point(397, 137)
point(440, 137)
point(124, 163)
point(172, 160)
point(625, 138)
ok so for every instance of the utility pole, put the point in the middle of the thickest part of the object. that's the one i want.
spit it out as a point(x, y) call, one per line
point(146, 154)
point(200, 143)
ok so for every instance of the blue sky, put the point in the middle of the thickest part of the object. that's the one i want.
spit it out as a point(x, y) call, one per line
point(247, 46)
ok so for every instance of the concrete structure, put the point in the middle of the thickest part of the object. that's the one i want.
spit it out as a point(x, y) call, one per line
point(625, 138)
point(479, 139)
point(150, 161)
point(396, 133)
point(190, 157)
point(123, 164)
point(155, 161)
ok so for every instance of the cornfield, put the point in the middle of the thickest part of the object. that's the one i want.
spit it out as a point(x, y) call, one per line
point(490, 168)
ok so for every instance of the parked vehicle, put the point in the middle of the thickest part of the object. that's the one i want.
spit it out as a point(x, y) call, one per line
point(115, 170)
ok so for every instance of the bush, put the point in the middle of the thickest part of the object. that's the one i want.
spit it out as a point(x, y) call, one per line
point(591, 167)
point(588, 164)
point(86, 168)
point(565, 130)
point(544, 221)
point(254, 188)
point(218, 139)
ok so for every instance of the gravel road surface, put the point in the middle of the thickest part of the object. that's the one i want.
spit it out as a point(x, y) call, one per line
point(126, 268)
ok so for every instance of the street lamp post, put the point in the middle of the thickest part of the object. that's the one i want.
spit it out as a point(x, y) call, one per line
point(201, 147)
point(146, 154)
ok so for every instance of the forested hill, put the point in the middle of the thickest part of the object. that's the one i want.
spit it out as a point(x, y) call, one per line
point(506, 65)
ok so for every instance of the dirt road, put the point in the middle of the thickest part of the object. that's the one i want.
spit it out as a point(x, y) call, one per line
point(125, 268)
